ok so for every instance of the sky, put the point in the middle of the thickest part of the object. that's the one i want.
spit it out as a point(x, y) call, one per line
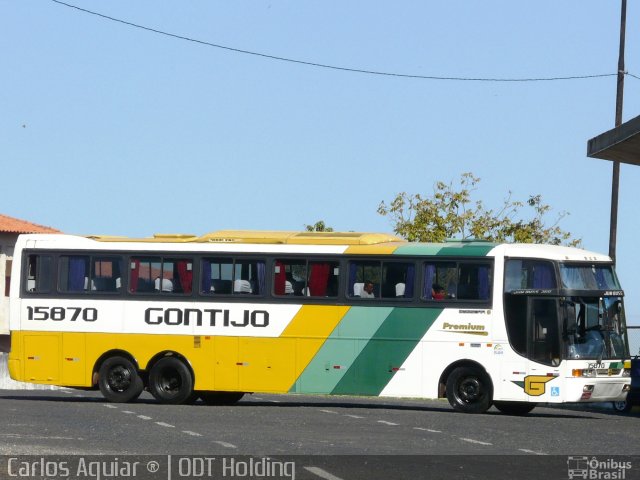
point(106, 128)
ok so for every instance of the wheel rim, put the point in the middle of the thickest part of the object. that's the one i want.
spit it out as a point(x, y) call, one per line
point(119, 378)
point(469, 390)
point(619, 405)
point(169, 381)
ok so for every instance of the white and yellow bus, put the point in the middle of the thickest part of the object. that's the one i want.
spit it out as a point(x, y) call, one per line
point(231, 312)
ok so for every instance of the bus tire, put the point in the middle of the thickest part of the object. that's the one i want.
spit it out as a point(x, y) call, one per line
point(170, 381)
point(119, 381)
point(514, 408)
point(623, 406)
point(469, 390)
point(221, 398)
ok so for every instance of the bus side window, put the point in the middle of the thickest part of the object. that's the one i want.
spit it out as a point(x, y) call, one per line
point(362, 274)
point(440, 281)
point(323, 279)
point(452, 280)
point(106, 274)
point(473, 282)
point(229, 276)
point(38, 274)
point(74, 273)
point(398, 279)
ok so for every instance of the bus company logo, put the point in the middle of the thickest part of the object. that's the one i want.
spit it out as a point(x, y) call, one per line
point(594, 468)
point(534, 385)
point(208, 317)
point(468, 328)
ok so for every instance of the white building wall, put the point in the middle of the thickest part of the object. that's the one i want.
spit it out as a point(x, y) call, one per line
point(4, 300)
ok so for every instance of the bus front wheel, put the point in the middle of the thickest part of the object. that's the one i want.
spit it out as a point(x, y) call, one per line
point(170, 381)
point(119, 381)
point(469, 390)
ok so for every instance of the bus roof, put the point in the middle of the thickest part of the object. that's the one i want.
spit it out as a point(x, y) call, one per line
point(266, 236)
point(358, 243)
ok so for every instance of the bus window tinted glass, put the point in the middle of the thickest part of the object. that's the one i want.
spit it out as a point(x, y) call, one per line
point(588, 277)
point(529, 274)
point(161, 275)
point(290, 277)
point(82, 273)
point(105, 274)
point(390, 280)
point(73, 273)
point(305, 278)
point(457, 280)
point(397, 280)
point(364, 279)
point(228, 276)
point(323, 279)
point(38, 274)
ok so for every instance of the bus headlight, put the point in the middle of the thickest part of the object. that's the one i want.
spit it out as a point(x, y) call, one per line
point(583, 372)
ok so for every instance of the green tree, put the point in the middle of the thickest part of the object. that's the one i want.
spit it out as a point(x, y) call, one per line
point(451, 212)
point(319, 226)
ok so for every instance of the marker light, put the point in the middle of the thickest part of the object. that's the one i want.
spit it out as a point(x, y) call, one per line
point(587, 390)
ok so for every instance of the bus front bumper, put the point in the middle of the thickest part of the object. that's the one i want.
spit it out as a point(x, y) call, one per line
point(597, 389)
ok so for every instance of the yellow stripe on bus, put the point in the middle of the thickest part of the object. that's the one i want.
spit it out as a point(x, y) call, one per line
point(384, 249)
point(220, 362)
point(274, 364)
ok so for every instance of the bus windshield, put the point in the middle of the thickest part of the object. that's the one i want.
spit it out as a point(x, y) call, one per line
point(588, 277)
point(595, 329)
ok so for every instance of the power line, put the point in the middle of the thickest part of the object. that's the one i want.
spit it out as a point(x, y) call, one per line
point(333, 67)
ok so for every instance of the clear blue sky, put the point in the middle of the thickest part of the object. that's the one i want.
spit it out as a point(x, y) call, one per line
point(105, 128)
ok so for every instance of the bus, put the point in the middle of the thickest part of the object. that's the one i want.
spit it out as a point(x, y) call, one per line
point(217, 316)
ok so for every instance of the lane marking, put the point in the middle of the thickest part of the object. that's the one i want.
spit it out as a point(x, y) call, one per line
point(328, 411)
point(353, 416)
point(321, 473)
point(471, 440)
point(128, 412)
point(162, 424)
point(144, 417)
point(36, 437)
point(225, 444)
point(109, 406)
point(427, 430)
point(531, 451)
point(193, 434)
point(388, 423)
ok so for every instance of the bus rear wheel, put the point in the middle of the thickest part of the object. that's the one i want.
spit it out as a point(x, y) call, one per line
point(514, 408)
point(221, 398)
point(170, 381)
point(119, 381)
point(469, 390)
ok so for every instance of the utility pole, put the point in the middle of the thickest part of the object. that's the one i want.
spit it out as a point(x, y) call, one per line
point(615, 182)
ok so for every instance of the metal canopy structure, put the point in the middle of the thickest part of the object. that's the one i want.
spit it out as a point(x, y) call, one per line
point(621, 144)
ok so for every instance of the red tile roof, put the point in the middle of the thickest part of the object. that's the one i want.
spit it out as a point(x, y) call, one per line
point(14, 225)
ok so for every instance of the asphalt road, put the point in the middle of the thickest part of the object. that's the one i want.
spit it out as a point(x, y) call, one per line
point(330, 437)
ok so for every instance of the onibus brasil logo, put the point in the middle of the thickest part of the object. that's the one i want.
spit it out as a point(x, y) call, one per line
point(594, 468)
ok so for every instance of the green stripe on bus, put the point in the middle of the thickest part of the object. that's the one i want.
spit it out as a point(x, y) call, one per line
point(387, 351)
point(453, 249)
point(341, 349)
